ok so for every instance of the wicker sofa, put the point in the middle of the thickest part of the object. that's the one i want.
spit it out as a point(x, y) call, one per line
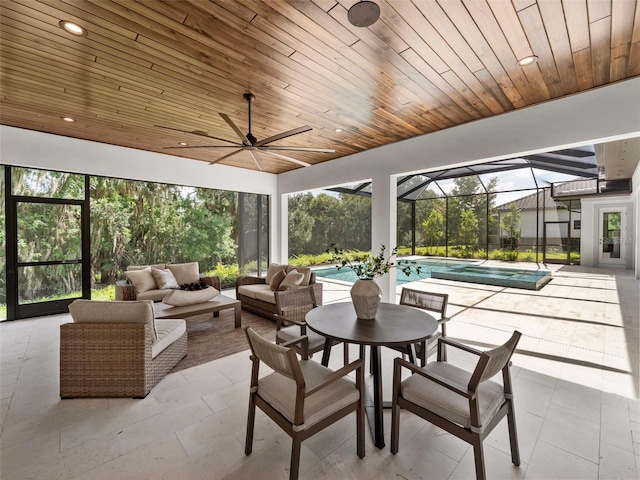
point(117, 349)
point(135, 289)
point(257, 294)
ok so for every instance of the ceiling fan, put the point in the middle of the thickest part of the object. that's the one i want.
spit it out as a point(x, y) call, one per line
point(251, 144)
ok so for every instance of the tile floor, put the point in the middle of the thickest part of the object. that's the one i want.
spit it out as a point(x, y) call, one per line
point(576, 380)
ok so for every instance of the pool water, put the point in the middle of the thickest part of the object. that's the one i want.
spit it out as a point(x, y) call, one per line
point(345, 274)
point(457, 270)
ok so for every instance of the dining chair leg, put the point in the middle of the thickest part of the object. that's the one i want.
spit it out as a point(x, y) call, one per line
point(248, 444)
point(478, 454)
point(360, 414)
point(295, 458)
point(346, 353)
point(513, 435)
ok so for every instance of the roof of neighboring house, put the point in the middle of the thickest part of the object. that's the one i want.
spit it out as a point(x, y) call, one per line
point(531, 203)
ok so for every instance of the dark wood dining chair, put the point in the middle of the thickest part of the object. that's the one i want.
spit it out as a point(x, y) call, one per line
point(433, 303)
point(301, 396)
point(293, 305)
point(466, 404)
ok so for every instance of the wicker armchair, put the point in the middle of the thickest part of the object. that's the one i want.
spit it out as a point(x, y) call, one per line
point(117, 349)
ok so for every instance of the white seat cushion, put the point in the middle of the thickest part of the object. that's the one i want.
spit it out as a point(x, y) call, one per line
point(169, 331)
point(285, 334)
point(447, 404)
point(280, 392)
point(266, 295)
point(251, 290)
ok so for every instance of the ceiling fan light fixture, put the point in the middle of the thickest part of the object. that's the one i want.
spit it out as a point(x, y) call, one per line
point(364, 13)
point(526, 61)
point(72, 28)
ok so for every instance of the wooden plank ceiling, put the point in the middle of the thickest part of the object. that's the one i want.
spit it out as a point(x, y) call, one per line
point(425, 65)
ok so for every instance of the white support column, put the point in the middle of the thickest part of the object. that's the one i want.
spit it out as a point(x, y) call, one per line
point(384, 226)
point(280, 240)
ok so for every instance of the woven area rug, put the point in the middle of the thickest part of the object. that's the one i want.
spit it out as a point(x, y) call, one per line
point(210, 338)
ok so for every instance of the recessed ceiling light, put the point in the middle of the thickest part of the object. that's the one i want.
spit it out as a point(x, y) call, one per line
point(68, 119)
point(72, 28)
point(337, 130)
point(523, 62)
point(183, 144)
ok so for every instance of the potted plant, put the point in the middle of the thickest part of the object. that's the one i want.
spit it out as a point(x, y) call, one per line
point(365, 293)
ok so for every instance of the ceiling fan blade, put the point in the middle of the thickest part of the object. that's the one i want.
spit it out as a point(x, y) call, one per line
point(257, 159)
point(285, 158)
point(300, 149)
point(199, 133)
point(245, 140)
point(204, 146)
point(282, 135)
point(224, 157)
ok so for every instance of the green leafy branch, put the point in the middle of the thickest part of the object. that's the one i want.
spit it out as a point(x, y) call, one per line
point(368, 266)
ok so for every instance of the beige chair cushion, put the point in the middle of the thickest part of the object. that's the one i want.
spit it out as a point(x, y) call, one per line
point(94, 311)
point(169, 331)
point(266, 295)
point(305, 270)
point(164, 278)
point(286, 334)
point(185, 272)
point(179, 298)
point(293, 279)
point(447, 404)
point(280, 392)
point(252, 290)
point(273, 269)
point(142, 279)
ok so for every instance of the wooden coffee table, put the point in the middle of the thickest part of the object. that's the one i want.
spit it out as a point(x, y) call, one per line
point(215, 305)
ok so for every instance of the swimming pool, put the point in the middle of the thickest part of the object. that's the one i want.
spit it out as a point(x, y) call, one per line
point(427, 266)
point(457, 270)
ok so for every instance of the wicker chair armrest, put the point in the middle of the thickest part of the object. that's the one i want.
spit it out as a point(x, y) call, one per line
point(317, 290)
point(448, 384)
point(212, 281)
point(338, 374)
point(249, 280)
point(126, 291)
point(443, 320)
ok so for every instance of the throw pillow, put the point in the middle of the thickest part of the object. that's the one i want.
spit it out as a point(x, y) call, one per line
point(276, 280)
point(273, 269)
point(305, 270)
point(292, 279)
point(141, 279)
point(185, 272)
point(164, 278)
point(180, 298)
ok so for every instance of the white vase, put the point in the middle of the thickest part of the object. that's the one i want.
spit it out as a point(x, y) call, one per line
point(366, 296)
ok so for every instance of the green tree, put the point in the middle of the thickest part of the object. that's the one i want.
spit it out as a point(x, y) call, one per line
point(510, 225)
point(434, 227)
point(469, 229)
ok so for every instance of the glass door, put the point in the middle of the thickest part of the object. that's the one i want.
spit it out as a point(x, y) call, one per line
point(48, 271)
point(611, 232)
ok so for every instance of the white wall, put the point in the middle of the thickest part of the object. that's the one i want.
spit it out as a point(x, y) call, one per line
point(635, 183)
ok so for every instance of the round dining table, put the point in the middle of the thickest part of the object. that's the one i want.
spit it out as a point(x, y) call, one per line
point(394, 325)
